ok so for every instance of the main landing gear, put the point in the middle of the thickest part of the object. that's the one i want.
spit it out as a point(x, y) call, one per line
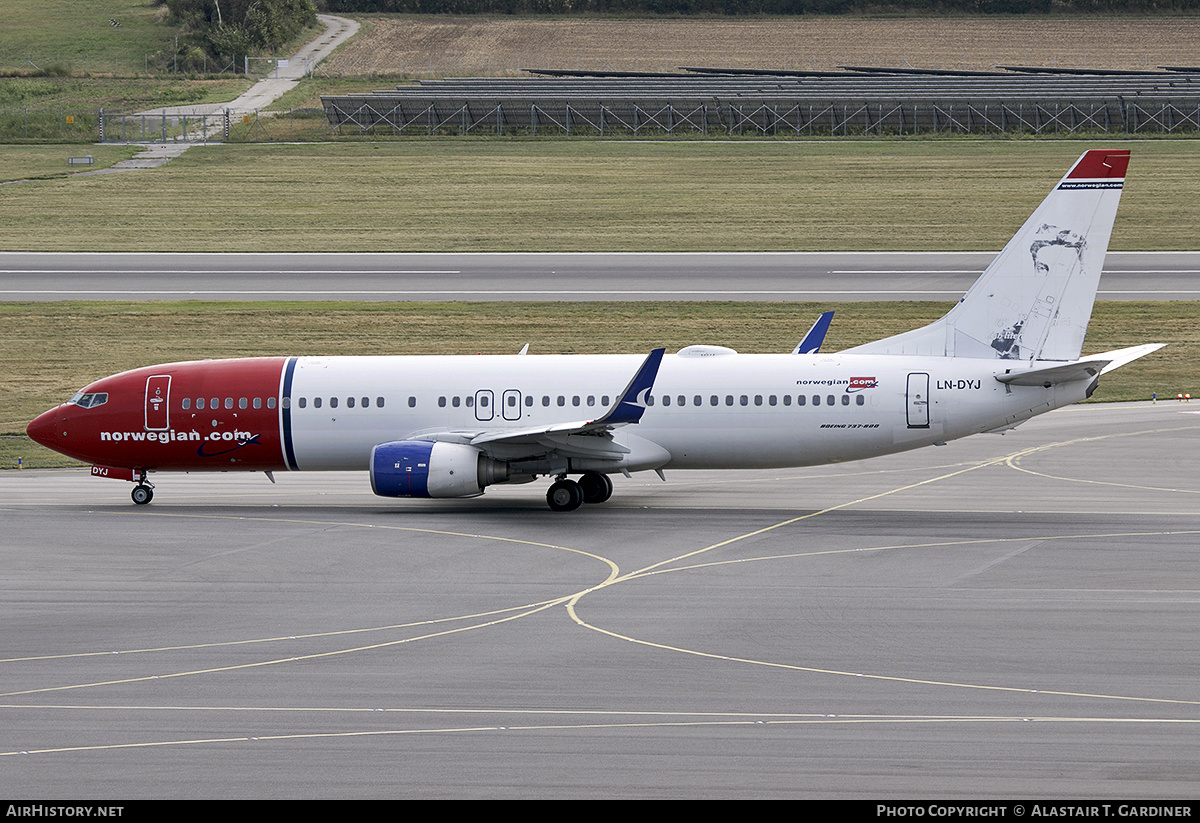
point(566, 495)
point(143, 492)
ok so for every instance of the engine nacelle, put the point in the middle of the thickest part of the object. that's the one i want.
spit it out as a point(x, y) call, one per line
point(422, 468)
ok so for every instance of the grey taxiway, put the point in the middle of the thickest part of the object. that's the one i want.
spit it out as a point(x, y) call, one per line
point(1005, 616)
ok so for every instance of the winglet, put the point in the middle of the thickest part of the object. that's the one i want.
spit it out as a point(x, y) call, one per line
point(631, 405)
point(811, 344)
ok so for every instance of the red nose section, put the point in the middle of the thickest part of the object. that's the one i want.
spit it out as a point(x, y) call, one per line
point(44, 429)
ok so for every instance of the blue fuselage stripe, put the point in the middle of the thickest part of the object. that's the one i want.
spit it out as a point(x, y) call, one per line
point(289, 451)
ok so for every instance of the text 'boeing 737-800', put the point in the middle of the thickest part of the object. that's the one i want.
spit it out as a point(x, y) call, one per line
point(437, 426)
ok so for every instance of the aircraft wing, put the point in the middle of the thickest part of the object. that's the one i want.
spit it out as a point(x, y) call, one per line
point(575, 438)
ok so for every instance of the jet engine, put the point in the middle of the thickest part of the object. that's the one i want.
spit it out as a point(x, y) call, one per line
point(423, 468)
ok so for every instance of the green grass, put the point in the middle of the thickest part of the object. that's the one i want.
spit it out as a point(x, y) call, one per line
point(75, 35)
point(123, 96)
point(485, 195)
point(44, 162)
point(307, 93)
point(50, 350)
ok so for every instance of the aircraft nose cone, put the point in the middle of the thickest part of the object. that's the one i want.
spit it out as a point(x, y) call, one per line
point(43, 428)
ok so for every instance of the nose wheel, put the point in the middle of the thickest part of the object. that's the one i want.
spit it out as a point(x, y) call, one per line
point(143, 492)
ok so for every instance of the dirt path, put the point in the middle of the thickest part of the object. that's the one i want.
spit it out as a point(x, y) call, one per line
point(266, 91)
point(283, 79)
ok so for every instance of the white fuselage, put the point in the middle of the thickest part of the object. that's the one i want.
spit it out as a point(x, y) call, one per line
point(719, 411)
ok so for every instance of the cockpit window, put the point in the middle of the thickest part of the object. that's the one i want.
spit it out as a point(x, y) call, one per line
point(89, 401)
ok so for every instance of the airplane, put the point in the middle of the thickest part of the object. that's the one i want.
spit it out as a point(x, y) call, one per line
point(451, 426)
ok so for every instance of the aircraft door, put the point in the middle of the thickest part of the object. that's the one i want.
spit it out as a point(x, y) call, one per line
point(484, 404)
point(158, 398)
point(918, 401)
point(510, 405)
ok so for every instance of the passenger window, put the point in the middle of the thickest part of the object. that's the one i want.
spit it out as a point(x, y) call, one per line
point(243, 403)
point(316, 402)
point(787, 400)
point(666, 399)
point(366, 402)
point(470, 402)
point(771, 400)
point(859, 400)
point(801, 399)
point(229, 402)
point(697, 401)
point(271, 402)
point(591, 401)
point(379, 402)
point(187, 403)
point(215, 403)
point(441, 402)
point(199, 404)
point(512, 401)
point(287, 403)
point(545, 400)
point(455, 401)
point(830, 400)
point(303, 402)
point(845, 400)
point(258, 403)
point(729, 400)
point(483, 401)
point(681, 400)
point(714, 400)
point(575, 400)
point(744, 400)
point(816, 399)
point(604, 400)
point(529, 401)
point(333, 401)
point(562, 401)
point(758, 399)
point(412, 402)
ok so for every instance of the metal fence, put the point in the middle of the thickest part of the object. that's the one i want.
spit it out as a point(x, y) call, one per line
point(808, 104)
point(764, 117)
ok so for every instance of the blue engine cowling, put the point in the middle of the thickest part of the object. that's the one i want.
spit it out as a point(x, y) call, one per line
point(421, 468)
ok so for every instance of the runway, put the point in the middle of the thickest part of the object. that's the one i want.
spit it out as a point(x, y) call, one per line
point(1002, 617)
point(796, 276)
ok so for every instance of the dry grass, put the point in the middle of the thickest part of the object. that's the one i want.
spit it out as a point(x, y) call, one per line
point(448, 46)
point(586, 195)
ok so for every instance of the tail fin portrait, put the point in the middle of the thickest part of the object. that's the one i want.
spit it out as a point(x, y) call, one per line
point(1035, 299)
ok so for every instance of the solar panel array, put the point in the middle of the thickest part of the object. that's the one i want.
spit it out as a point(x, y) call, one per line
point(852, 102)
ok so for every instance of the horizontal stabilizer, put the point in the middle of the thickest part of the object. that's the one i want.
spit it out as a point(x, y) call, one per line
point(1050, 375)
point(1119, 357)
point(1094, 366)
